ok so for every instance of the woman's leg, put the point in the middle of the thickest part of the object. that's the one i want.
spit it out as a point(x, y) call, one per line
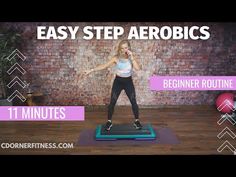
point(130, 92)
point(115, 92)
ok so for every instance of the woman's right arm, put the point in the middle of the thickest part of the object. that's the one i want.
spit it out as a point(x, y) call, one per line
point(103, 66)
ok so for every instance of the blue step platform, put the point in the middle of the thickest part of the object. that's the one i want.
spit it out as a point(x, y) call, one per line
point(125, 131)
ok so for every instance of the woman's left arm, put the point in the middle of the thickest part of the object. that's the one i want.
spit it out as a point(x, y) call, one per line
point(136, 65)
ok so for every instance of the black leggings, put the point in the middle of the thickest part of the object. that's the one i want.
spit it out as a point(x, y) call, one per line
point(119, 84)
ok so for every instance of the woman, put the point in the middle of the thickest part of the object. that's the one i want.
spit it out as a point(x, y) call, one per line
point(125, 62)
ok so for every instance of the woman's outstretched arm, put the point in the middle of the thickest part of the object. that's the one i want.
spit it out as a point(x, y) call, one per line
point(102, 66)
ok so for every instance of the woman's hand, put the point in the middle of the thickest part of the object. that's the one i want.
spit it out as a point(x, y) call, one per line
point(86, 72)
point(129, 53)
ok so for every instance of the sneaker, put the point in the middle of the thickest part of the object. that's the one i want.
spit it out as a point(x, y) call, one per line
point(108, 125)
point(137, 124)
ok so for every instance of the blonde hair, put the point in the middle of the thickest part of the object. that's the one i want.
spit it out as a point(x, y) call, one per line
point(125, 41)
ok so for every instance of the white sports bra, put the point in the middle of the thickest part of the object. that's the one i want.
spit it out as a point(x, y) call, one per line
point(123, 67)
